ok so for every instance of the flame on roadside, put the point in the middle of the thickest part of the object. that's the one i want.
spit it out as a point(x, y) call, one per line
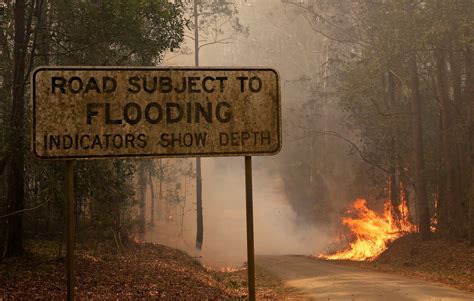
point(230, 269)
point(137, 240)
point(225, 269)
point(372, 232)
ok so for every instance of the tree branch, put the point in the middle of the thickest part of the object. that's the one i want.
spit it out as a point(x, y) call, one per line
point(24, 210)
point(354, 146)
point(221, 41)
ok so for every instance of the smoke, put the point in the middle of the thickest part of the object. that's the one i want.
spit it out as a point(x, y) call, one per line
point(281, 39)
point(278, 230)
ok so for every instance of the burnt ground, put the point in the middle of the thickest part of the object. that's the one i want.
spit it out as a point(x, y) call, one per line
point(144, 271)
point(438, 260)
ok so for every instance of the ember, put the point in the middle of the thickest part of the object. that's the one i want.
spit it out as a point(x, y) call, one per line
point(225, 269)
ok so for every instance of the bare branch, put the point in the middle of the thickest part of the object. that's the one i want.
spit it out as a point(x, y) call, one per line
point(325, 20)
point(354, 146)
point(27, 209)
point(221, 41)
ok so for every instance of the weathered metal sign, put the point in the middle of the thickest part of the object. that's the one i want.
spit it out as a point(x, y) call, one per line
point(86, 112)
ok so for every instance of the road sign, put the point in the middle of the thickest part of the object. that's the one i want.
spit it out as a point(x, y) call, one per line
point(87, 112)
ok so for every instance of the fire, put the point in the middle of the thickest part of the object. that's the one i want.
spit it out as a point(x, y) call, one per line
point(137, 240)
point(373, 232)
point(225, 269)
point(406, 225)
point(230, 269)
point(434, 218)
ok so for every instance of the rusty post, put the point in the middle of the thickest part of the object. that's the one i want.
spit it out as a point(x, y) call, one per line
point(249, 215)
point(70, 221)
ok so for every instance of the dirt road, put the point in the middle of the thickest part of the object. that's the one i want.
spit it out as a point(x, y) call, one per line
point(322, 280)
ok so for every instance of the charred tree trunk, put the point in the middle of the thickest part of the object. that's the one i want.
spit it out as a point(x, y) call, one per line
point(469, 93)
point(421, 194)
point(454, 134)
point(461, 148)
point(394, 173)
point(395, 192)
point(15, 194)
point(447, 201)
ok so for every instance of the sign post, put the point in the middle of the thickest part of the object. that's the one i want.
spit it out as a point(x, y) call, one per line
point(70, 228)
point(106, 112)
point(249, 218)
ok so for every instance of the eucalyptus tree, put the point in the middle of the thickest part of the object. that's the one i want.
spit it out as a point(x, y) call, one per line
point(211, 22)
point(71, 33)
point(403, 72)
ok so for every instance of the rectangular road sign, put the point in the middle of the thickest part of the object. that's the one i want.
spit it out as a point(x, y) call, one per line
point(88, 112)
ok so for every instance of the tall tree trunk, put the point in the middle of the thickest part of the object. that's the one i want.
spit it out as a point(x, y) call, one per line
point(449, 202)
point(183, 208)
point(199, 217)
point(469, 92)
point(395, 193)
point(394, 173)
point(43, 33)
point(421, 195)
point(442, 215)
point(15, 194)
point(459, 136)
point(199, 220)
point(159, 202)
point(152, 203)
point(142, 194)
point(160, 206)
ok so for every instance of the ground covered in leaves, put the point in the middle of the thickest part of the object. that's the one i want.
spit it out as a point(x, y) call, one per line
point(144, 271)
point(268, 287)
point(451, 263)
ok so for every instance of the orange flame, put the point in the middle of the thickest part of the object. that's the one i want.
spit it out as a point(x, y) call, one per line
point(434, 218)
point(225, 269)
point(137, 240)
point(372, 232)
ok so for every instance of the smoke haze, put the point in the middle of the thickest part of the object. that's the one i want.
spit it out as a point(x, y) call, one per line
point(281, 39)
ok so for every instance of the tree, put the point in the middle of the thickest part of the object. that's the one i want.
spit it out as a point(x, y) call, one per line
point(70, 33)
point(208, 31)
point(16, 180)
point(388, 56)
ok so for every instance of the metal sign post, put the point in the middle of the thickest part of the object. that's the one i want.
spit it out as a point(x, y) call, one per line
point(249, 215)
point(70, 228)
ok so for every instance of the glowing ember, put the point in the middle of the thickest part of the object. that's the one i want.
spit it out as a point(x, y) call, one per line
point(405, 224)
point(372, 231)
point(226, 269)
point(137, 240)
point(434, 218)
point(230, 269)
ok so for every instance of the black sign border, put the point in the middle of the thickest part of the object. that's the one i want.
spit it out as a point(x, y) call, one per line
point(175, 155)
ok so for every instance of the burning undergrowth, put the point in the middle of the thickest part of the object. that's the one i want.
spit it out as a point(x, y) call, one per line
point(225, 269)
point(369, 233)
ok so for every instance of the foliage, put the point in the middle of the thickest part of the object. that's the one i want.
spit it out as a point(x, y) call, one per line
point(80, 32)
point(377, 49)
